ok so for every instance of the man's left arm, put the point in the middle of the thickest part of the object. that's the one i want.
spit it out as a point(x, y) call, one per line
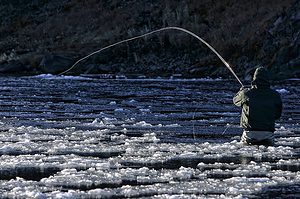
point(238, 98)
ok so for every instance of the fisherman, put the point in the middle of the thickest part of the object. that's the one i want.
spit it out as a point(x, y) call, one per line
point(261, 106)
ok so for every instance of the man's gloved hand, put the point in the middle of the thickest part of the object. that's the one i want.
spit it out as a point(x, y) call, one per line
point(245, 87)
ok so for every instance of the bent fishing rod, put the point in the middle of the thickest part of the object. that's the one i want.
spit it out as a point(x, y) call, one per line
point(153, 32)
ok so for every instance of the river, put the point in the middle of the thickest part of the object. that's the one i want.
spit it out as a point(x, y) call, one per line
point(75, 137)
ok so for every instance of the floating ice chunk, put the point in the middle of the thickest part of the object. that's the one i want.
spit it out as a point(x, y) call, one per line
point(70, 194)
point(20, 191)
point(143, 124)
point(112, 103)
point(208, 79)
point(68, 171)
point(143, 171)
point(101, 192)
point(185, 173)
point(157, 155)
point(175, 197)
point(282, 91)
point(74, 77)
point(147, 138)
point(10, 149)
point(50, 76)
point(35, 194)
point(128, 191)
point(201, 164)
point(97, 121)
point(117, 137)
point(103, 165)
point(132, 101)
point(119, 110)
point(130, 150)
point(151, 137)
point(233, 190)
point(121, 77)
point(44, 76)
point(173, 125)
point(282, 128)
point(145, 110)
point(104, 122)
point(91, 169)
point(188, 154)
point(258, 179)
point(108, 119)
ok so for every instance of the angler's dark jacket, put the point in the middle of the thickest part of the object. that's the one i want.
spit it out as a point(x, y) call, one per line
point(261, 106)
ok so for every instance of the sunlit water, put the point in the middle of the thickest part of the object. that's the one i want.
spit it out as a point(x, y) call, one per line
point(67, 137)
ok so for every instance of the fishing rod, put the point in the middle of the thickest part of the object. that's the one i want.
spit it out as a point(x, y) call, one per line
point(153, 32)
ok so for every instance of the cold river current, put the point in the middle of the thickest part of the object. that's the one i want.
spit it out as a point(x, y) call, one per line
point(75, 137)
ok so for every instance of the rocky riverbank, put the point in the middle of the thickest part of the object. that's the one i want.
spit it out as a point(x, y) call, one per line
point(49, 36)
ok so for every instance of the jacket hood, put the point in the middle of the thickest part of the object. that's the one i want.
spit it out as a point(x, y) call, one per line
point(261, 78)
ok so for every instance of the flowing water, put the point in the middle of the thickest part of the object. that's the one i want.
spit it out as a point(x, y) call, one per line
point(73, 137)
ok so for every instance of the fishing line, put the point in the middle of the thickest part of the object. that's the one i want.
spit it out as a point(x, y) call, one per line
point(227, 126)
point(153, 32)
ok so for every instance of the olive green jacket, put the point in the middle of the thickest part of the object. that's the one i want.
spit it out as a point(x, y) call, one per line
point(261, 106)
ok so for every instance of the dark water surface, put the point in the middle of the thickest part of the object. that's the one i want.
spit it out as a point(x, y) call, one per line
point(68, 137)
